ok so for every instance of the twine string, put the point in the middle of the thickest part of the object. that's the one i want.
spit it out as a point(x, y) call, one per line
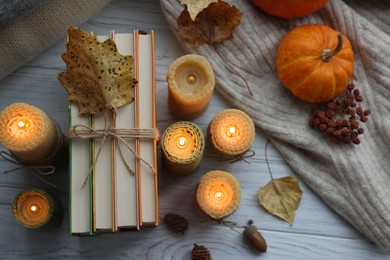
point(86, 132)
point(229, 224)
point(38, 169)
point(242, 157)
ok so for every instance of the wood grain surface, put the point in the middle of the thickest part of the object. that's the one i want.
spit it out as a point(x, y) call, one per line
point(317, 233)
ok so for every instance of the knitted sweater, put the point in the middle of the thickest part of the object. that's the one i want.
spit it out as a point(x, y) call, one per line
point(354, 180)
point(27, 27)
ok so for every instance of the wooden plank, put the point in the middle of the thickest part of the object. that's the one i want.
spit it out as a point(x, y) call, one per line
point(318, 233)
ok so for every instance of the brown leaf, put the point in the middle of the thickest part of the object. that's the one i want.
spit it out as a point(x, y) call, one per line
point(196, 6)
point(214, 24)
point(97, 76)
point(281, 197)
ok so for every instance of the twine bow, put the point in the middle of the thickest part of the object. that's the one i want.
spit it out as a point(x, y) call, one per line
point(86, 132)
point(241, 157)
point(38, 169)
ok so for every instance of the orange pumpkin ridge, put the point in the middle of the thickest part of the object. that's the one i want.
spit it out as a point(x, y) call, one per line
point(315, 63)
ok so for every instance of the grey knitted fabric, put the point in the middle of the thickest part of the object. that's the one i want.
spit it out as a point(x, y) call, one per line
point(354, 180)
point(11, 10)
point(24, 38)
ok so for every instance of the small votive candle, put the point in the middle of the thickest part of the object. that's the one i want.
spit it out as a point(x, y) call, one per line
point(190, 85)
point(28, 133)
point(231, 133)
point(218, 194)
point(182, 148)
point(37, 209)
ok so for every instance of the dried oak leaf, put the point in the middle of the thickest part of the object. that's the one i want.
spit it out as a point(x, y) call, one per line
point(281, 197)
point(212, 25)
point(196, 6)
point(97, 76)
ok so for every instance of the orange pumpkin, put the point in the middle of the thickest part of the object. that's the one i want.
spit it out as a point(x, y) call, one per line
point(315, 62)
point(290, 8)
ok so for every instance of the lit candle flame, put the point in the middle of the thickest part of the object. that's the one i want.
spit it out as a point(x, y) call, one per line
point(22, 125)
point(219, 195)
point(34, 208)
point(182, 143)
point(231, 131)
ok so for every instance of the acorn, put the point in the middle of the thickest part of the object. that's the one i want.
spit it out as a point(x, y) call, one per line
point(252, 233)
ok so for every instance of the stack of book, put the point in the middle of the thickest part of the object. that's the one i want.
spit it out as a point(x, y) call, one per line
point(114, 199)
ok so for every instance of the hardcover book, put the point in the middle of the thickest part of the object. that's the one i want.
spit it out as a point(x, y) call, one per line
point(122, 191)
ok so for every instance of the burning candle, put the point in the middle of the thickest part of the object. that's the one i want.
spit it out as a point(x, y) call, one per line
point(28, 133)
point(182, 148)
point(190, 85)
point(218, 194)
point(231, 132)
point(37, 209)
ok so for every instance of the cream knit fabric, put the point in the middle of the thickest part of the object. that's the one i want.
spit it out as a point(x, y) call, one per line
point(355, 179)
point(26, 37)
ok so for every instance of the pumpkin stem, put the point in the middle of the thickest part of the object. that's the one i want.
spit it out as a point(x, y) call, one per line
point(328, 54)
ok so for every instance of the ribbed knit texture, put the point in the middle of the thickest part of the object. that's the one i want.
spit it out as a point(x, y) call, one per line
point(11, 10)
point(26, 37)
point(353, 179)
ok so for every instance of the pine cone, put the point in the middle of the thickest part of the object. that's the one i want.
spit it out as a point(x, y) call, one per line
point(200, 252)
point(176, 223)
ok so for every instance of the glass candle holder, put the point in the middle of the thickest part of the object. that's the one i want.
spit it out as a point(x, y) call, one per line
point(190, 85)
point(182, 148)
point(231, 133)
point(37, 209)
point(218, 194)
point(29, 134)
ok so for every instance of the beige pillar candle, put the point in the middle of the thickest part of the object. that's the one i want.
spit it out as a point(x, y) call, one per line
point(27, 132)
point(231, 132)
point(190, 85)
point(218, 194)
point(182, 148)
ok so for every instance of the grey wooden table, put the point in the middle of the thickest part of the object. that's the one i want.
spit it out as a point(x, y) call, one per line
point(317, 233)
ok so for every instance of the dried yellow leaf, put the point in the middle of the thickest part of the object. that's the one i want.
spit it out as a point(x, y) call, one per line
point(194, 7)
point(97, 76)
point(281, 197)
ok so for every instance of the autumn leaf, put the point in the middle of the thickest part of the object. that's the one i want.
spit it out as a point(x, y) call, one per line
point(214, 24)
point(281, 197)
point(97, 76)
point(194, 7)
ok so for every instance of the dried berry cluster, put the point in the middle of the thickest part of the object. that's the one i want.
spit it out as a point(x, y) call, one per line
point(339, 118)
